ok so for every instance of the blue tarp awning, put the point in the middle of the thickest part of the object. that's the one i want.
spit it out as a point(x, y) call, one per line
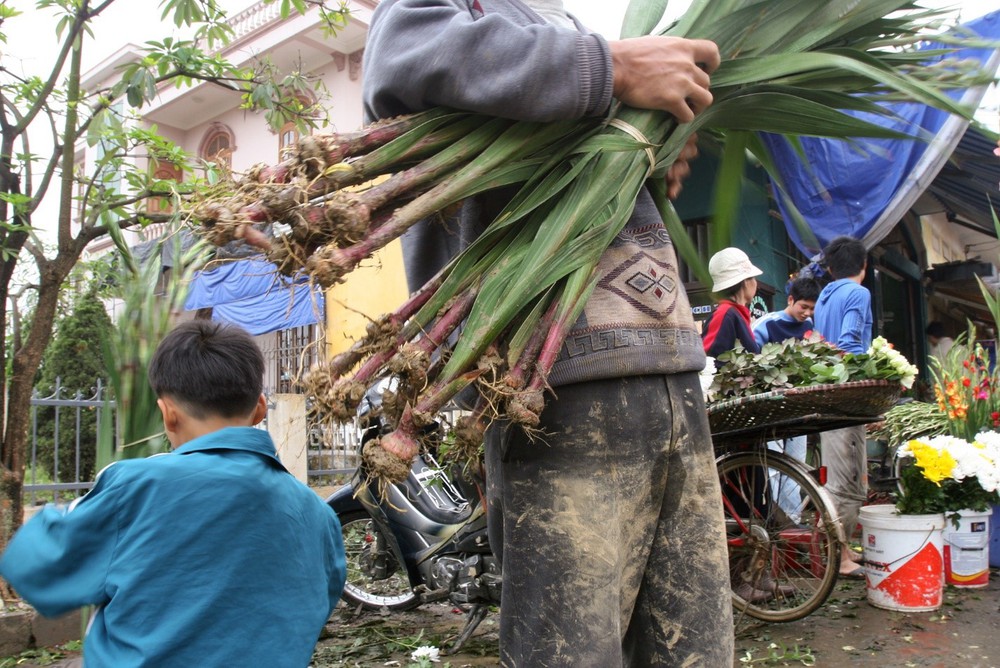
point(863, 188)
point(252, 294)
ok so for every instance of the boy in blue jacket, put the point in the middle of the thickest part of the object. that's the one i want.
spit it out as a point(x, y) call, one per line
point(205, 556)
point(792, 322)
point(795, 320)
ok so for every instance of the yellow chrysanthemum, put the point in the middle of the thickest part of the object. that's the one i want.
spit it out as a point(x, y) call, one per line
point(937, 465)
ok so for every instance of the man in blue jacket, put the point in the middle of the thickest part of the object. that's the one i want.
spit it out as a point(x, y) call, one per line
point(212, 555)
point(844, 317)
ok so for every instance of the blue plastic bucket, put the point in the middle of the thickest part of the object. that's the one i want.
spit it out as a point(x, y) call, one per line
point(995, 537)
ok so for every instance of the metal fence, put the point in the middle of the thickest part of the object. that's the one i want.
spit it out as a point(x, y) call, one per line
point(62, 441)
point(50, 480)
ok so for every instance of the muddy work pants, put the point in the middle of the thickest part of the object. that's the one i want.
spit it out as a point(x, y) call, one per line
point(613, 546)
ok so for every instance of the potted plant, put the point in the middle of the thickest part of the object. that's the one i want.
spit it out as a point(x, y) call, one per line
point(949, 461)
point(949, 474)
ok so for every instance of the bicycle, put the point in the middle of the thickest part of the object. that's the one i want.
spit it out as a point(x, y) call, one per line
point(783, 565)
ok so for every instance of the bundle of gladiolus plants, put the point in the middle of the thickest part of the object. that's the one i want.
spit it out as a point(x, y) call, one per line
point(789, 67)
point(966, 397)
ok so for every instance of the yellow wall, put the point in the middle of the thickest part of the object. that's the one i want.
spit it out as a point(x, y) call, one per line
point(377, 286)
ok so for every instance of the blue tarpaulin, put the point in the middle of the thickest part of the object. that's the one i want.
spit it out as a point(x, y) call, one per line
point(862, 188)
point(250, 293)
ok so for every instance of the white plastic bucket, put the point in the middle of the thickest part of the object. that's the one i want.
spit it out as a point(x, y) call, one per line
point(904, 568)
point(966, 549)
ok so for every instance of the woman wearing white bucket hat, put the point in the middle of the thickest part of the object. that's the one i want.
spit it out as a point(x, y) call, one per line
point(734, 280)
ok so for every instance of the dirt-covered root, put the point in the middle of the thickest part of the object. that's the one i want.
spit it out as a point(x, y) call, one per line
point(315, 154)
point(491, 363)
point(393, 405)
point(411, 364)
point(220, 224)
point(525, 408)
point(467, 448)
point(337, 399)
point(346, 218)
point(262, 173)
point(385, 465)
point(288, 258)
point(382, 330)
point(328, 265)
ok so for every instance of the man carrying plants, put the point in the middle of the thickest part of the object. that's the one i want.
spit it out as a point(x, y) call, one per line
point(597, 521)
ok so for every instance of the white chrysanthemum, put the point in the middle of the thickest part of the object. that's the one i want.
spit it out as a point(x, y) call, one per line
point(988, 443)
point(897, 361)
point(706, 376)
point(979, 460)
point(432, 654)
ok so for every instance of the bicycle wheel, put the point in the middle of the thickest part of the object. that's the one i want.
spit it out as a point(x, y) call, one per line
point(783, 564)
point(374, 577)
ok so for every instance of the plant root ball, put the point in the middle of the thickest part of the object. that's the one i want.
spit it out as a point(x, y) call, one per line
point(328, 265)
point(411, 363)
point(384, 465)
point(469, 434)
point(524, 408)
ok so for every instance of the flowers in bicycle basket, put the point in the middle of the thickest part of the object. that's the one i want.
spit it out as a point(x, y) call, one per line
point(946, 474)
point(805, 362)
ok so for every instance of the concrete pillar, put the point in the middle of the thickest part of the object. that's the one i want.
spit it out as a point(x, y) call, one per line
point(286, 422)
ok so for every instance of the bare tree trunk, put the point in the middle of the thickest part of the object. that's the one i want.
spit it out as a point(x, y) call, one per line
point(19, 386)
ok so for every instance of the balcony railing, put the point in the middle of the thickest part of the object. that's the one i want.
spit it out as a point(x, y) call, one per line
point(254, 17)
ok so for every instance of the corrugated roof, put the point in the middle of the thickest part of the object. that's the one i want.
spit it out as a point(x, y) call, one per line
point(970, 181)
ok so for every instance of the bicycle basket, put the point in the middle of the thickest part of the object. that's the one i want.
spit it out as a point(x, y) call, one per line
point(800, 410)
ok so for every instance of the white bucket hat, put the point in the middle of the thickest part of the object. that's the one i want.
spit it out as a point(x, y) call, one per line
point(730, 266)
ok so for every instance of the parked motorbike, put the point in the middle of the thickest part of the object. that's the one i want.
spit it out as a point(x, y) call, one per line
point(418, 541)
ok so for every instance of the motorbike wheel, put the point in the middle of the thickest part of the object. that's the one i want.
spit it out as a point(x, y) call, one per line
point(375, 579)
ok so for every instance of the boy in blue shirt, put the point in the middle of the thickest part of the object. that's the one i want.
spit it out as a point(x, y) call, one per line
point(211, 555)
point(795, 320)
point(792, 322)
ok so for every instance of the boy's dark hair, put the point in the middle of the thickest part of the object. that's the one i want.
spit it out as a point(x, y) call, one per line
point(210, 368)
point(804, 288)
point(844, 257)
point(935, 329)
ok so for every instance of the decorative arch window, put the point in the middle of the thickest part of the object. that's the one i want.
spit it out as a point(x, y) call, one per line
point(163, 171)
point(289, 133)
point(287, 138)
point(218, 145)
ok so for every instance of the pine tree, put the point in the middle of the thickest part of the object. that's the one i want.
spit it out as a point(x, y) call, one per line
point(76, 360)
